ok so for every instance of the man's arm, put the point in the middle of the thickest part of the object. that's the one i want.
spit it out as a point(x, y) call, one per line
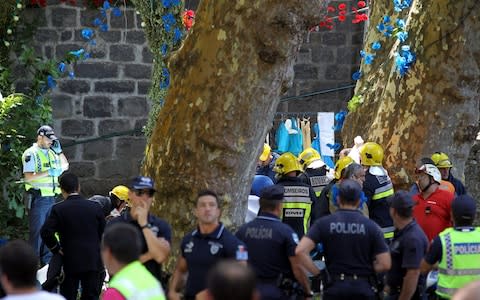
point(299, 273)
point(410, 282)
point(49, 228)
point(64, 162)
point(158, 247)
point(177, 282)
point(382, 262)
point(302, 253)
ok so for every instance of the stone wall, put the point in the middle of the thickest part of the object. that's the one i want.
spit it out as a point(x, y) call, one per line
point(107, 97)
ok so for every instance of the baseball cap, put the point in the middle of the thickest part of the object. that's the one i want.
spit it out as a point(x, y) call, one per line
point(273, 192)
point(401, 200)
point(47, 131)
point(142, 182)
point(464, 206)
point(349, 190)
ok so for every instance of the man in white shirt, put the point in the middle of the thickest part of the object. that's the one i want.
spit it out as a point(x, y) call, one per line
point(18, 263)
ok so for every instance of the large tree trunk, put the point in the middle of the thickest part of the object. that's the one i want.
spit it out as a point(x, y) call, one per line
point(435, 107)
point(225, 87)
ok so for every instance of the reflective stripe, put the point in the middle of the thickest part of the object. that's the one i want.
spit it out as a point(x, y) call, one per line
point(445, 292)
point(41, 184)
point(383, 195)
point(388, 232)
point(388, 235)
point(461, 272)
point(306, 215)
point(448, 245)
point(297, 200)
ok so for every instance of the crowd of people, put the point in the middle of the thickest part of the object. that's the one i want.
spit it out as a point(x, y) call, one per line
point(343, 233)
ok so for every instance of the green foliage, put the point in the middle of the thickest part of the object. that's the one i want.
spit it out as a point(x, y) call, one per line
point(354, 103)
point(20, 117)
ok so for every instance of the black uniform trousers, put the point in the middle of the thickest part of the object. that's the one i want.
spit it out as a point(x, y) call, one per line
point(349, 289)
point(89, 284)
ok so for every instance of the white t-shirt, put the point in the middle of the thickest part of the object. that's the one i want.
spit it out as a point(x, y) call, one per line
point(38, 295)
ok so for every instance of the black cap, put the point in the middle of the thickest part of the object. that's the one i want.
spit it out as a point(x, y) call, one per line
point(401, 200)
point(464, 207)
point(142, 183)
point(273, 192)
point(47, 131)
point(349, 190)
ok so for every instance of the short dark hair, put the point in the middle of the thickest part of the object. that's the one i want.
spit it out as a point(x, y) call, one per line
point(268, 205)
point(231, 280)
point(124, 242)
point(208, 193)
point(404, 212)
point(69, 182)
point(19, 263)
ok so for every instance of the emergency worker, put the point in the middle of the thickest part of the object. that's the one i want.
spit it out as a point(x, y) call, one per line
point(202, 248)
point(433, 205)
point(271, 249)
point(113, 204)
point(266, 162)
point(121, 246)
point(456, 250)
point(354, 248)
point(300, 205)
point(442, 162)
point(378, 187)
point(407, 249)
point(43, 163)
point(444, 184)
point(155, 233)
point(315, 171)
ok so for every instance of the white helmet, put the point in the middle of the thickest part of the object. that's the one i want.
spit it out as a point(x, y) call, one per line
point(431, 170)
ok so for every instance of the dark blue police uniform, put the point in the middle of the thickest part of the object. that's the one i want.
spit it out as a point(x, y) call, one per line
point(407, 249)
point(202, 251)
point(159, 227)
point(351, 241)
point(270, 244)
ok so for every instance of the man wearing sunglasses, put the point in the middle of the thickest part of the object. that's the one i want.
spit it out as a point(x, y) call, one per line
point(156, 234)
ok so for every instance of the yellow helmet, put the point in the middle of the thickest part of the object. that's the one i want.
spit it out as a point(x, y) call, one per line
point(265, 153)
point(441, 160)
point(308, 156)
point(286, 163)
point(341, 164)
point(121, 192)
point(371, 154)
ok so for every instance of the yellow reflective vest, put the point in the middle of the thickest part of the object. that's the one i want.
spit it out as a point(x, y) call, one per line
point(48, 185)
point(134, 282)
point(460, 263)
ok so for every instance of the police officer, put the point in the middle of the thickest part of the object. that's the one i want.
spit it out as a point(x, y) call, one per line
point(378, 187)
point(315, 171)
point(300, 205)
point(202, 248)
point(271, 248)
point(43, 163)
point(408, 247)
point(456, 250)
point(354, 248)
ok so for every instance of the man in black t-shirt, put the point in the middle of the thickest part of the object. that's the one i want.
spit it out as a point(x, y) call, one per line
point(354, 248)
point(408, 247)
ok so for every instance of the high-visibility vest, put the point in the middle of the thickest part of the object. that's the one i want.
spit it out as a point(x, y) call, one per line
point(460, 263)
point(297, 208)
point(134, 282)
point(48, 185)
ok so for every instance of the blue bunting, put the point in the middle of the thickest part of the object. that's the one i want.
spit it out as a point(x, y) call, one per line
point(369, 59)
point(404, 60)
point(170, 3)
point(168, 22)
point(339, 120)
point(164, 49)
point(400, 23)
point(106, 5)
point(177, 35)
point(376, 45)
point(71, 74)
point(384, 27)
point(104, 27)
point(61, 67)
point(51, 83)
point(400, 5)
point(87, 34)
point(117, 12)
point(77, 53)
point(357, 75)
point(402, 36)
point(97, 22)
point(166, 79)
point(335, 147)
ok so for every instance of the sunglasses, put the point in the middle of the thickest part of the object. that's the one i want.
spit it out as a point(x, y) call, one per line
point(150, 193)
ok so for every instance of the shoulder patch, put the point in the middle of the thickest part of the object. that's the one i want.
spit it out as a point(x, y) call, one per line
point(295, 238)
point(28, 157)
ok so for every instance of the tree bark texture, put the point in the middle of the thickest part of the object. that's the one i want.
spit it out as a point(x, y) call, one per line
point(434, 107)
point(225, 86)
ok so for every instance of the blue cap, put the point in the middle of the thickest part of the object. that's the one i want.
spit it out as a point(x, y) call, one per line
point(273, 192)
point(142, 182)
point(464, 207)
point(349, 190)
point(47, 131)
point(259, 183)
